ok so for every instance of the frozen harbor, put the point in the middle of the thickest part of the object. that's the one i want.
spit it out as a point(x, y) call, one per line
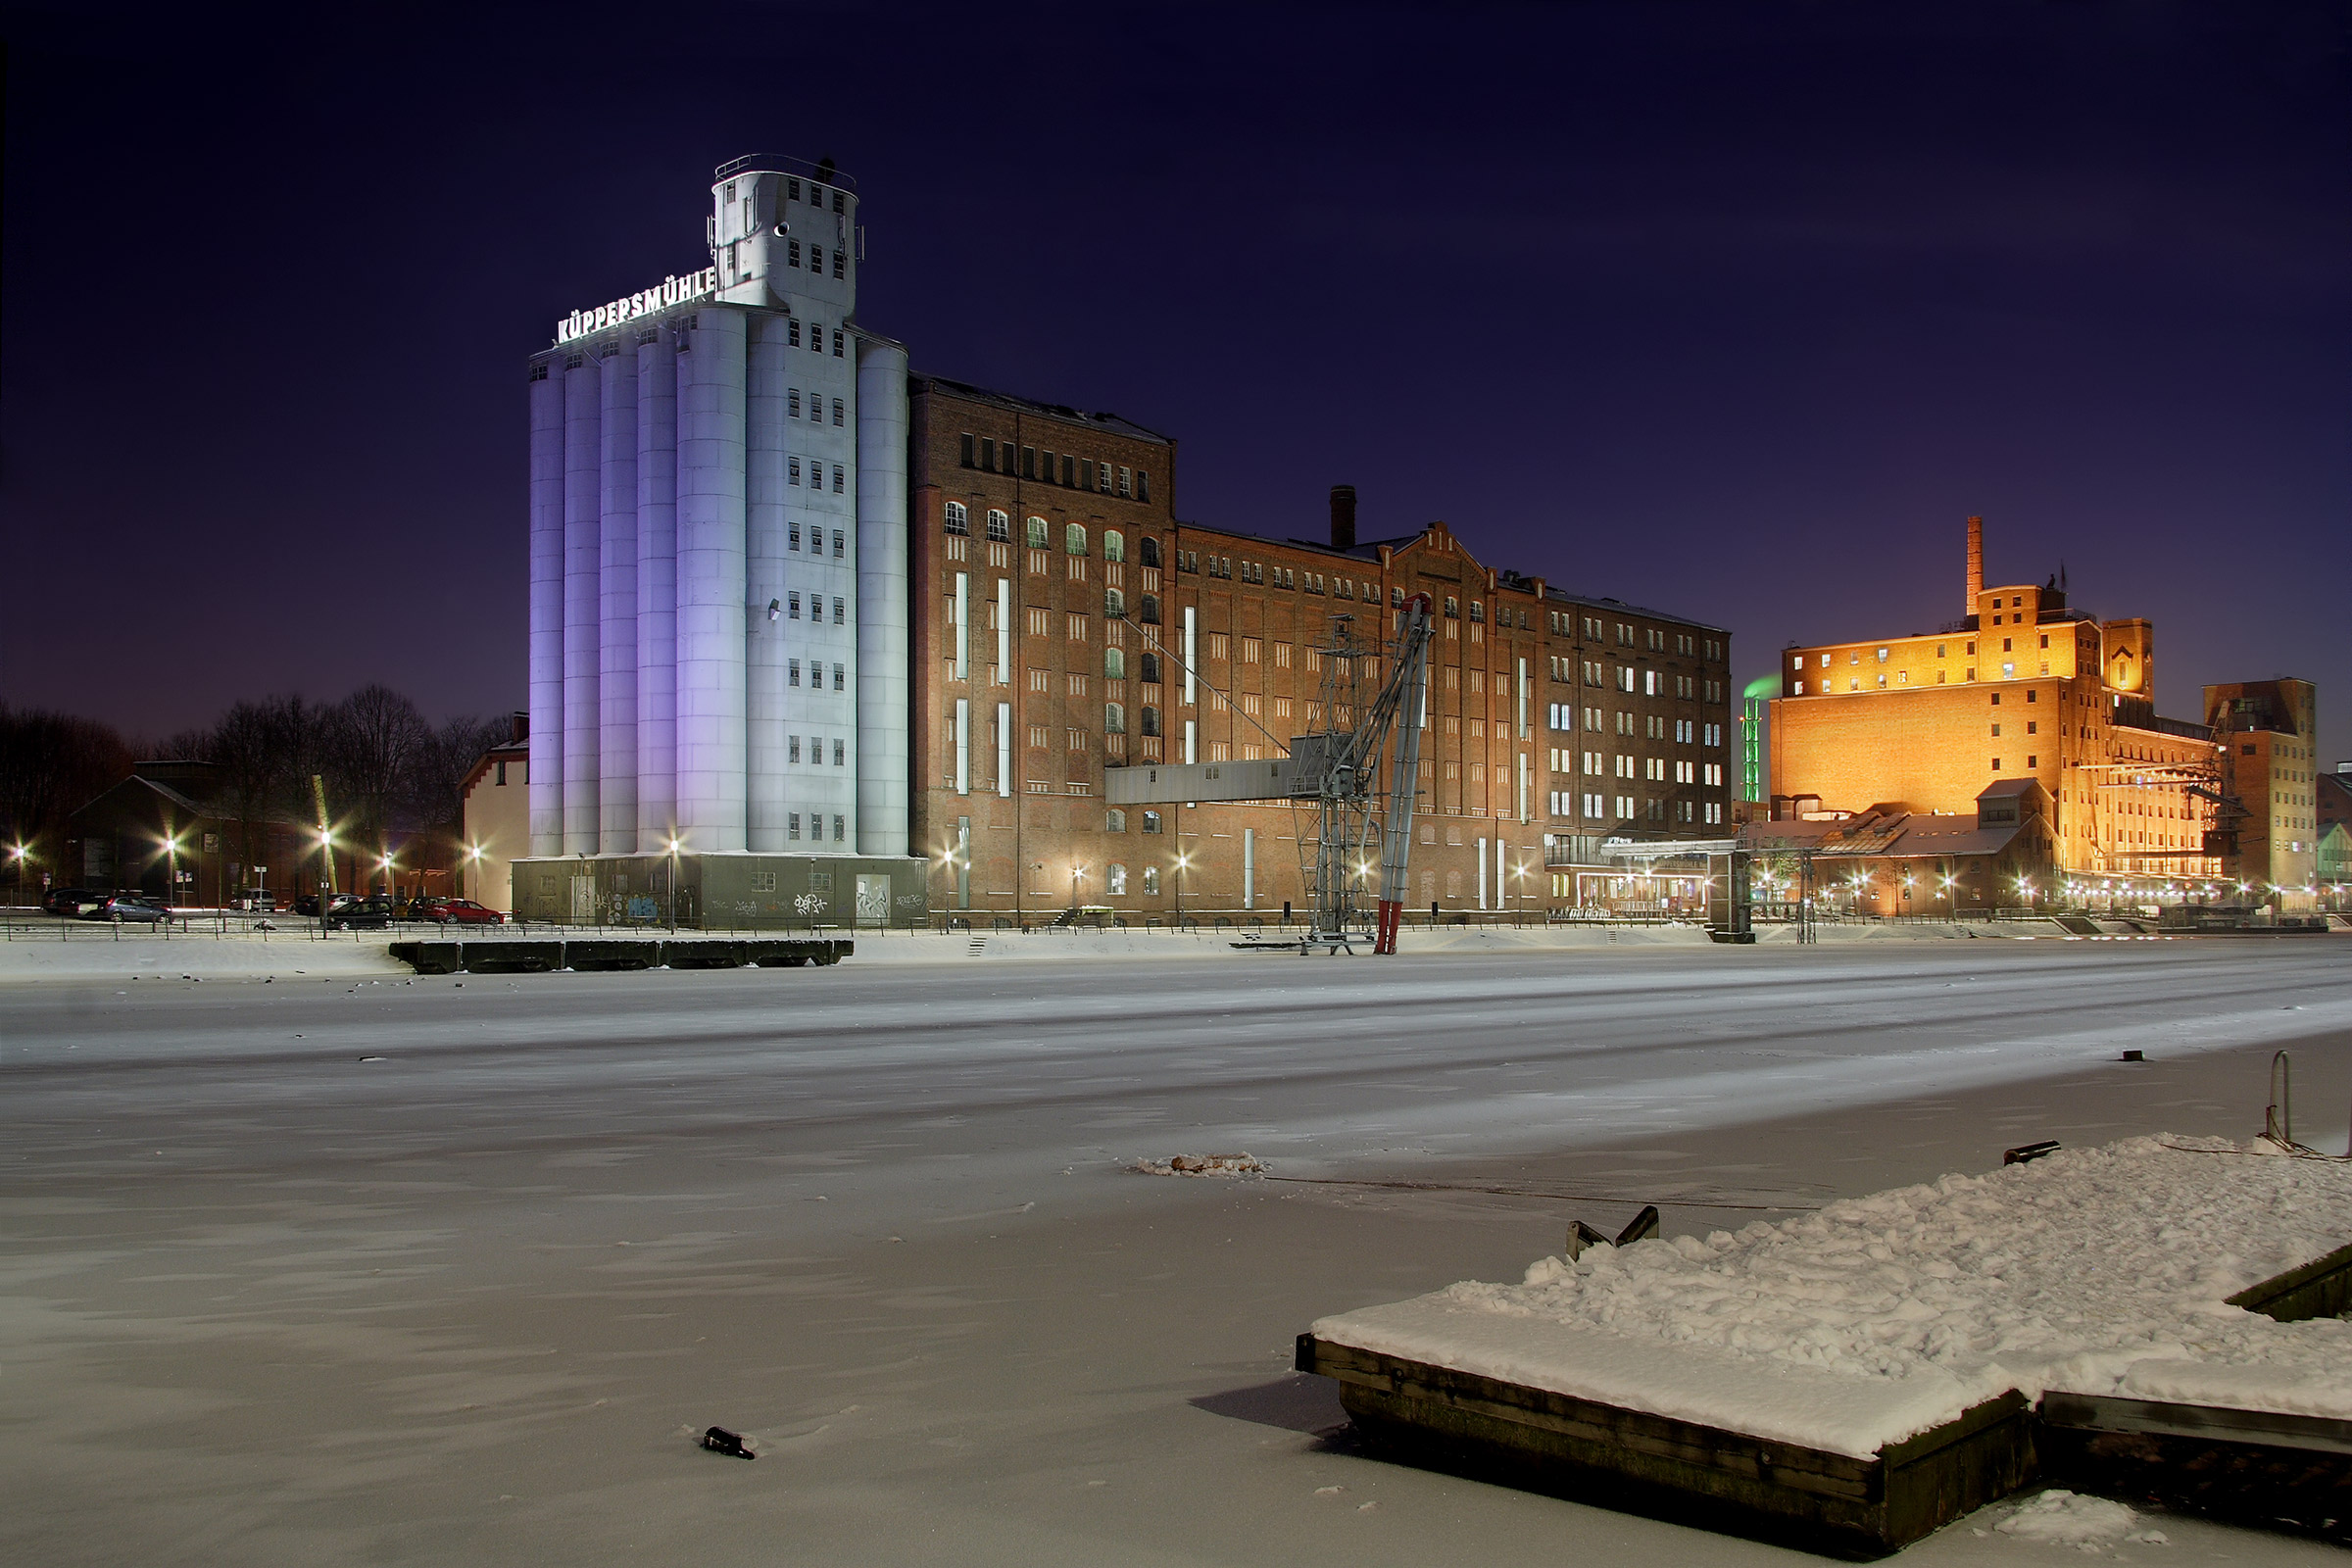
point(381, 1267)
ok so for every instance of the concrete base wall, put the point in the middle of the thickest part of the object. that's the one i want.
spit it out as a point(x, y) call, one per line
point(721, 892)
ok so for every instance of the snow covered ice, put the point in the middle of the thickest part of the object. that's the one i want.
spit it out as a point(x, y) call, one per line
point(2096, 1271)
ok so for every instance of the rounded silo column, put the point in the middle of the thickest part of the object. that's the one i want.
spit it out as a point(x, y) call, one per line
point(616, 566)
point(882, 599)
point(583, 487)
point(657, 592)
point(546, 776)
point(766, 641)
point(711, 582)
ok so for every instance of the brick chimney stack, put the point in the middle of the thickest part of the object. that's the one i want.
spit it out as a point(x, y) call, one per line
point(1975, 561)
point(1342, 516)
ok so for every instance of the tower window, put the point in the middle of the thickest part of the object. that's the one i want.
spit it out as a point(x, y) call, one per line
point(837, 343)
point(792, 469)
point(838, 259)
point(792, 253)
point(839, 538)
point(837, 410)
point(792, 332)
point(817, 258)
point(792, 404)
point(838, 478)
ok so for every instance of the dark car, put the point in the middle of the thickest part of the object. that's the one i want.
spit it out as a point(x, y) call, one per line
point(71, 901)
point(372, 913)
point(127, 907)
point(308, 903)
point(458, 911)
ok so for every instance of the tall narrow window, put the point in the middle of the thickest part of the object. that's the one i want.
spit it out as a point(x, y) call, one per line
point(1073, 538)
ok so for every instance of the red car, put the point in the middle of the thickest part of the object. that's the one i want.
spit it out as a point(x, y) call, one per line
point(460, 911)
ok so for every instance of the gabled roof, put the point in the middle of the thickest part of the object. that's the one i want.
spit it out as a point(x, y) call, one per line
point(1111, 423)
point(1368, 551)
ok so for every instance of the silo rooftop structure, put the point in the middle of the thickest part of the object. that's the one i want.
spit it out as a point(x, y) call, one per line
point(719, 580)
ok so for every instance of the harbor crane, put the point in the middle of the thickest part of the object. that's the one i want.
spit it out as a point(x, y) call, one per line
point(1364, 713)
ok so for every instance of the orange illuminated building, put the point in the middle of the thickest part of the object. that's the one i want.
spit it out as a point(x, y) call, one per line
point(2022, 687)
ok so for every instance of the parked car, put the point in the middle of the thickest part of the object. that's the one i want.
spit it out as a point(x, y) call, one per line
point(124, 907)
point(458, 911)
point(71, 901)
point(308, 903)
point(372, 913)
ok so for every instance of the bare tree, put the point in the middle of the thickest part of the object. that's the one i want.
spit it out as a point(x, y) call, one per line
point(440, 773)
point(51, 764)
point(374, 741)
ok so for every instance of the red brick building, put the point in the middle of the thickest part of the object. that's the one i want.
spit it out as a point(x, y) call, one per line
point(1066, 622)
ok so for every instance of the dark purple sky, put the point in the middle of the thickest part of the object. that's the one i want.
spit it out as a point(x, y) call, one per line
point(1732, 309)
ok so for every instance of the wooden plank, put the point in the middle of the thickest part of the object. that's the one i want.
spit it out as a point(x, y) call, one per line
point(1681, 1469)
point(2321, 1288)
point(2101, 1412)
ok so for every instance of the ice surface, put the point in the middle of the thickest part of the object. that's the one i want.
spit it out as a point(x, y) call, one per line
point(2098, 1271)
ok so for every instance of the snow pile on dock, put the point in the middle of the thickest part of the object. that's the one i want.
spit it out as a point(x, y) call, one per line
point(2095, 1271)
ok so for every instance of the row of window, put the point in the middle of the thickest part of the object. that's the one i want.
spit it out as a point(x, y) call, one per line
point(1597, 808)
point(817, 258)
point(1598, 628)
point(816, 474)
point(790, 607)
point(1902, 677)
point(816, 827)
point(816, 540)
point(1068, 470)
point(957, 519)
point(819, 191)
point(1597, 764)
point(816, 751)
point(816, 406)
point(816, 675)
point(1565, 718)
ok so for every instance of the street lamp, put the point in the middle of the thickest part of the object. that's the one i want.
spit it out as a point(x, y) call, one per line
point(1182, 860)
point(672, 850)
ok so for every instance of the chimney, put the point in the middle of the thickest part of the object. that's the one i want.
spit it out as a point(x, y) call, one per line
point(1975, 561)
point(1342, 516)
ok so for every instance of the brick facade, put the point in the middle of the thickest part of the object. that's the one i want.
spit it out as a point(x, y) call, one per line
point(2022, 687)
point(1074, 628)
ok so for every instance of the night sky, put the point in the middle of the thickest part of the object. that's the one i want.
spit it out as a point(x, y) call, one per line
point(1736, 310)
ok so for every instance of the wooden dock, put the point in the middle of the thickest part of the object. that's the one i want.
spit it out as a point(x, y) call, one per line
point(545, 954)
point(2251, 1465)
